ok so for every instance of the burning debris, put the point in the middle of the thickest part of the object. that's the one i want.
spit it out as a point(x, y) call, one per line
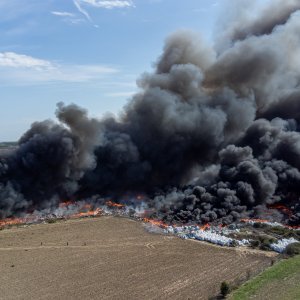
point(211, 137)
point(240, 234)
point(68, 210)
point(222, 235)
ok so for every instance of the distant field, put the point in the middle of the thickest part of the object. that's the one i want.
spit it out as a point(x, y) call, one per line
point(115, 258)
point(6, 147)
point(8, 144)
point(282, 282)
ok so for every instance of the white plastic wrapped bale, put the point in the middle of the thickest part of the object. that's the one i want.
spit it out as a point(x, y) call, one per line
point(272, 224)
point(213, 237)
point(281, 245)
point(243, 242)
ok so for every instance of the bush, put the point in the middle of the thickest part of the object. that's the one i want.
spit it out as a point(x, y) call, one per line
point(225, 289)
point(234, 243)
point(281, 231)
point(260, 225)
point(254, 243)
point(265, 247)
point(51, 221)
point(293, 249)
point(265, 242)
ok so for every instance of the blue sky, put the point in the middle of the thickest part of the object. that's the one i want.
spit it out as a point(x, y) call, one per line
point(88, 52)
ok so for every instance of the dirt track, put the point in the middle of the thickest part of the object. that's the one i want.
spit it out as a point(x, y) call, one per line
point(113, 258)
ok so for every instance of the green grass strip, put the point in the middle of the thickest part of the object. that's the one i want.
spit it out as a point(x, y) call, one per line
point(284, 270)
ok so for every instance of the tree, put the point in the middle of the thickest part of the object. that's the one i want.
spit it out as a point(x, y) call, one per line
point(225, 288)
point(293, 249)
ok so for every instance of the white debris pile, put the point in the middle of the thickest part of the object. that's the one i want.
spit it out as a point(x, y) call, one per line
point(212, 235)
point(269, 223)
point(281, 245)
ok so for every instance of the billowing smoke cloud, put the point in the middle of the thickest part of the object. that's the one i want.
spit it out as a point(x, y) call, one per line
point(48, 162)
point(212, 135)
point(276, 14)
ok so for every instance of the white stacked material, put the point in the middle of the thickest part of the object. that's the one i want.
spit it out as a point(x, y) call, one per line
point(243, 242)
point(281, 245)
point(214, 235)
point(269, 223)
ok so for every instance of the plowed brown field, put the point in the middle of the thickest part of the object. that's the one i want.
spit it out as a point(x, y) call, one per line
point(114, 258)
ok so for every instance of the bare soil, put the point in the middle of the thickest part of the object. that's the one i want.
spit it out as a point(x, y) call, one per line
point(115, 258)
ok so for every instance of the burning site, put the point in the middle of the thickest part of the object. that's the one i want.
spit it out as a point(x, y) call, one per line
point(207, 149)
point(211, 136)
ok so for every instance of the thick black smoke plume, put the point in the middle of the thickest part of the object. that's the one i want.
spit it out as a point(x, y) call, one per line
point(212, 134)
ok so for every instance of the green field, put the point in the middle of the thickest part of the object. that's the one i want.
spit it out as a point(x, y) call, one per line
point(8, 144)
point(281, 281)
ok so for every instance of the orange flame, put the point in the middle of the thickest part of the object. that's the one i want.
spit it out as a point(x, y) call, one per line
point(12, 221)
point(254, 220)
point(294, 227)
point(281, 208)
point(90, 213)
point(85, 211)
point(113, 204)
point(155, 222)
point(87, 206)
point(65, 204)
point(204, 227)
point(18, 221)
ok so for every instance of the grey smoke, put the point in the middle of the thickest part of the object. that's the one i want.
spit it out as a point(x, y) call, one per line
point(277, 13)
point(48, 163)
